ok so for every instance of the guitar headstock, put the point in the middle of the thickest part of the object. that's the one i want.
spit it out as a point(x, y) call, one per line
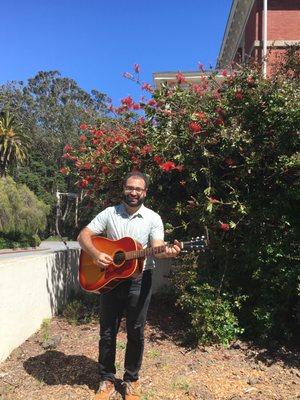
point(195, 244)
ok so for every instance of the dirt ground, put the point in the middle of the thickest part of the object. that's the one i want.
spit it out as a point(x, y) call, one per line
point(60, 362)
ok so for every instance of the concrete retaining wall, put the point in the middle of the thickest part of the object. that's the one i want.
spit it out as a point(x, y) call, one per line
point(33, 287)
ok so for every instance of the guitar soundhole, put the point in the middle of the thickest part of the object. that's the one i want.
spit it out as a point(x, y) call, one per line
point(119, 258)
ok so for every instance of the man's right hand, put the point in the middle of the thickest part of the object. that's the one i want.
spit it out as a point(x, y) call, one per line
point(103, 260)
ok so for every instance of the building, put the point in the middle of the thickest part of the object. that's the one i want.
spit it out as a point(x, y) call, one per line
point(255, 29)
point(191, 77)
point(259, 30)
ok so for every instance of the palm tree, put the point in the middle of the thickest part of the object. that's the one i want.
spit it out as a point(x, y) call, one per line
point(13, 144)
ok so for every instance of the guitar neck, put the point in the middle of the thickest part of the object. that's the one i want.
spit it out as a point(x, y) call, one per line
point(148, 251)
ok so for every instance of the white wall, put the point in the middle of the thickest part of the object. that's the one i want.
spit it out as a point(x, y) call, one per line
point(160, 275)
point(32, 288)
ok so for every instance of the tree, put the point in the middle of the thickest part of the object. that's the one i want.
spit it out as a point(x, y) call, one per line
point(13, 143)
point(50, 108)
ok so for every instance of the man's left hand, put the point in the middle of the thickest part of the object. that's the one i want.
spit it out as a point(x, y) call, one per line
point(173, 250)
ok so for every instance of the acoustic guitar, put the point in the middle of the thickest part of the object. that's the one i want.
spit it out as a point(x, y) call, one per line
point(128, 258)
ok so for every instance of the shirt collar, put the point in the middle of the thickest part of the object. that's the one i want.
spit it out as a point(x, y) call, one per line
point(120, 209)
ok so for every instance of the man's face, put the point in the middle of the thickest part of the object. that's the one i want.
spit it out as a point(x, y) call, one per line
point(134, 191)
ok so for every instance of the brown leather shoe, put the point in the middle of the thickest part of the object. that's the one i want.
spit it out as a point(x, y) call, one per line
point(106, 391)
point(132, 390)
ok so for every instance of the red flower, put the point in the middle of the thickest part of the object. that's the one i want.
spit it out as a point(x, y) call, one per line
point(146, 149)
point(120, 139)
point(157, 159)
point(83, 127)
point(224, 227)
point(168, 166)
point(220, 111)
point(196, 128)
point(136, 106)
point(152, 103)
point(250, 80)
point(98, 133)
point(82, 138)
point(68, 147)
point(148, 87)
point(66, 155)
point(137, 68)
point(239, 95)
point(95, 141)
point(120, 110)
point(64, 170)
point(197, 89)
point(82, 184)
point(201, 116)
point(219, 121)
point(105, 170)
point(87, 165)
point(127, 101)
point(179, 168)
point(180, 78)
point(224, 72)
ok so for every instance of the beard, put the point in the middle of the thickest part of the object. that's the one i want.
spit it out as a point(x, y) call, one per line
point(133, 202)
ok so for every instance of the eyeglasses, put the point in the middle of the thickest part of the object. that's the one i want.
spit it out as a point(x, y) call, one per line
point(132, 188)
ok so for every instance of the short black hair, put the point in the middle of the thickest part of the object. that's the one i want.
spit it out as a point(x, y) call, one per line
point(136, 174)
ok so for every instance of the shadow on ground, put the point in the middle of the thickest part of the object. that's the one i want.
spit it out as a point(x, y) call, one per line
point(275, 353)
point(56, 368)
point(168, 323)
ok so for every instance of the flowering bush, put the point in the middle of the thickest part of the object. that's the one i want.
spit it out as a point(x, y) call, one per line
point(223, 157)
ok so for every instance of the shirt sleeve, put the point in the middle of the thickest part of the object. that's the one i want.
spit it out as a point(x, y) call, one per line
point(157, 229)
point(99, 223)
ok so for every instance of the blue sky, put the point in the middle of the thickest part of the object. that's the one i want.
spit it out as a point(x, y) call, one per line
point(96, 41)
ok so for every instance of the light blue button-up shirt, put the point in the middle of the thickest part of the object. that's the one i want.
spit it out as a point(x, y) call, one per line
point(143, 226)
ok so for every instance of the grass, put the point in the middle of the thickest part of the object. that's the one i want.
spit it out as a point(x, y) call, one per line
point(153, 353)
point(45, 328)
point(181, 384)
point(56, 238)
point(121, 345)
point(149, 395)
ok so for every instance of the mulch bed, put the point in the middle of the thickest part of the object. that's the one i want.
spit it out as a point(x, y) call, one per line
point(60, 362)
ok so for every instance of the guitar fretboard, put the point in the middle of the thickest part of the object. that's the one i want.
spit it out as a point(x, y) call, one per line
point(149, 251)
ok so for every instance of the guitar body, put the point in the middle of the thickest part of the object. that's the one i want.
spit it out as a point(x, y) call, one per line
point(93, 279)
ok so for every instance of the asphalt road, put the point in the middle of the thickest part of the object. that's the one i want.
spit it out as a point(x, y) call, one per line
point(45, 247)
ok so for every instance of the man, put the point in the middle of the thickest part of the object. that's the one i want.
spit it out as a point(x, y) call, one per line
point(132, 296)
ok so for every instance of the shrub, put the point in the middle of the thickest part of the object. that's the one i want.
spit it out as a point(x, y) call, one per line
point(224, 159)
point(22, 215)
point(209, 314)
